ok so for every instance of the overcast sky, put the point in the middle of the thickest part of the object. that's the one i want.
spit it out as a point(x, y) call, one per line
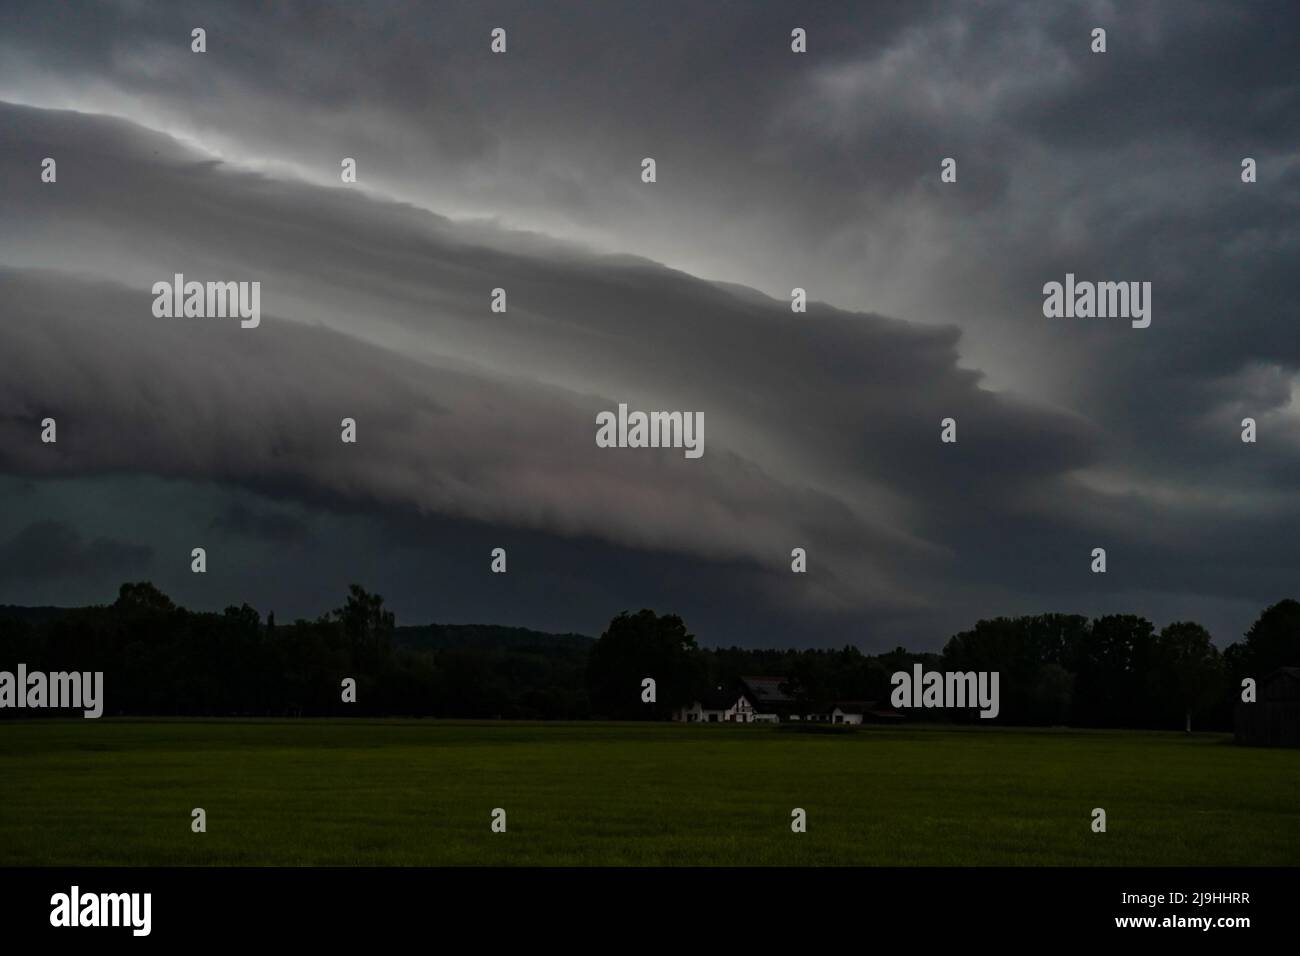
point(775, 170)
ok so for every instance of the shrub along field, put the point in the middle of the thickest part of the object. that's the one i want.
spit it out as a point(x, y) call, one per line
point(422, 792)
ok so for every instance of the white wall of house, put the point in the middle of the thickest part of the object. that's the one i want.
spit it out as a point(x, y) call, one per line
point(693, 714)
point(741, 712)
point(839, 716)
point(697, 713)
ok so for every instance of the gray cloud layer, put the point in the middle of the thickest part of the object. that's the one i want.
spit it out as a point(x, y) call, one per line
point(821, 171)
point(51, 549)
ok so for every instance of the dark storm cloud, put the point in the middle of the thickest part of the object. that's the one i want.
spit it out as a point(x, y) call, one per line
point(52, 549)
point(775, 170)
point(810, 425)
point(271, 526)
point(550, 135)
point(806, 146)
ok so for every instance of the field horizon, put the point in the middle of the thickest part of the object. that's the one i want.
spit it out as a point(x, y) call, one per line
point(421, 792)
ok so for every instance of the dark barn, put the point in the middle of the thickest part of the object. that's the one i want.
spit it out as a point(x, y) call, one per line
point(1274, 719)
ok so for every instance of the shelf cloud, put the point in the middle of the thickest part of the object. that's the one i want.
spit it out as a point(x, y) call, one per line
point(522, 173)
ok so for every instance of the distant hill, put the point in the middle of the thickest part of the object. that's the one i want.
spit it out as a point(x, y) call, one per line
point(420, 637)
point(429, 637)
point(35, 615)
point(161, 659)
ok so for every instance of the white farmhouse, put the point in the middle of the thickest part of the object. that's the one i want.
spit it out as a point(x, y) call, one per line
point(756, 700)
point(717, 707)
point(764, 700)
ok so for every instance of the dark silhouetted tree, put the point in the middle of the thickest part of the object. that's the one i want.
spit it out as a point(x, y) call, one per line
point(637, 646)
point(1273, 641)
point(367, 626)
point(1189, 669)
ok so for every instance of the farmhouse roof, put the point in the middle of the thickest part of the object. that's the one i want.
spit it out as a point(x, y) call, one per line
point(1281, 685)
point(854, 706)
point(718, 699)
point(767, 690)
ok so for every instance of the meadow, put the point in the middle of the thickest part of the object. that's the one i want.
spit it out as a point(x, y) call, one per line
point(422, 792)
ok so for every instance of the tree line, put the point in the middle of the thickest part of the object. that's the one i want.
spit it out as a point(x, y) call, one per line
point(1056, 669)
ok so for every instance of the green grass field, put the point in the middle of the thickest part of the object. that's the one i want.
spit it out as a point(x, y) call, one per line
point(422, 792)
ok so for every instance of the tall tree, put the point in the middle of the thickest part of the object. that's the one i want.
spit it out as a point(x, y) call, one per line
point(1189, 668)
point(1113, 664)
point(143, 597)
point(637, 646)
point(367, 626)
point(1273, 641)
